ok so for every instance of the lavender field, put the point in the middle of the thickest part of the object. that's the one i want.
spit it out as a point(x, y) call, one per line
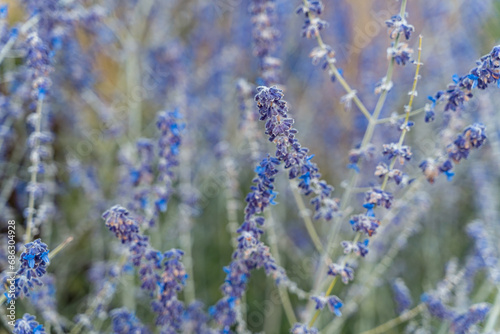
point(260, 166)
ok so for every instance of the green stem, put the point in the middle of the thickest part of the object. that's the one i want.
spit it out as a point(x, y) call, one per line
point(8, 175)
point(334, 70)
point(10, 42)
point(328, 291)
point(397, 321)
point(390, 119)
point(7, 124)
point(408, 110)
point(132, 66)
point(493, 315)
point(100, 296)
point(34, 173)
point(283, 293)
point(306, 217)
point(59, 248)
point(342, 81)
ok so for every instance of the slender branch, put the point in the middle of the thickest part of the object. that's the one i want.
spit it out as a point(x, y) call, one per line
point(397, 321)
point(334, 70)
point(185, 223)
point(304, 213)
point(283, 293)
point(413, 92)
point(7, 47)
point(12, 39)
point(328, 291)
point(8, 175)
point(101, 295)
point(400, 116)
point(344, 83)
point(408, 110)
point(61, 246)
point(7, 124)
point(494, 314)
point(132, 66)
point(34, 172)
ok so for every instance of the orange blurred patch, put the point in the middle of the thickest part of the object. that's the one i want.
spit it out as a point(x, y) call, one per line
point(16, 12)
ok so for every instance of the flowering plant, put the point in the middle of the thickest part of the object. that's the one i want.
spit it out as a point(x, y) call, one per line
point(155, 180)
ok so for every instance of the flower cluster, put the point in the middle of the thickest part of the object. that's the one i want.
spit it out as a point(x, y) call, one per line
point(262, 194)
point(265, 38)
point(437, 302)
point(436, 307)
point(463, 322)
point(149, 262)
point(485, 73)
point(152, 183)
point(162, 275)
point(172, 281)
point(196, 320)
point(345, 272)
point(460, 322)
point(486, 249)
point(323, 53)
point(357, 154)
point(166, 70)
point(142, 176)
point(310, 7)
point(38, 59)
point(473, 136)
point(251, 253)
point(44, 299)
point(400, 53)
point(378, 197)
point(34, 260)
point(402, 152)
point(367, 224)
point(170, 140)
point(312, 26)
point(359, 248)
point(402, 295)
point(28, 325)
point(398, 25)
point(125, 322)
point(274, 111)
point(334, 303)
point(383, 170)
point(303, 329)
point(121, 224)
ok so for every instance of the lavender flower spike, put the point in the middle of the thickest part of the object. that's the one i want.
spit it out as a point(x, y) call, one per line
point(28, 325)
point(274, 110)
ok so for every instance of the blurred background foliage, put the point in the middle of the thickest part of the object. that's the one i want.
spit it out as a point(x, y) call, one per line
point(207, 47)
